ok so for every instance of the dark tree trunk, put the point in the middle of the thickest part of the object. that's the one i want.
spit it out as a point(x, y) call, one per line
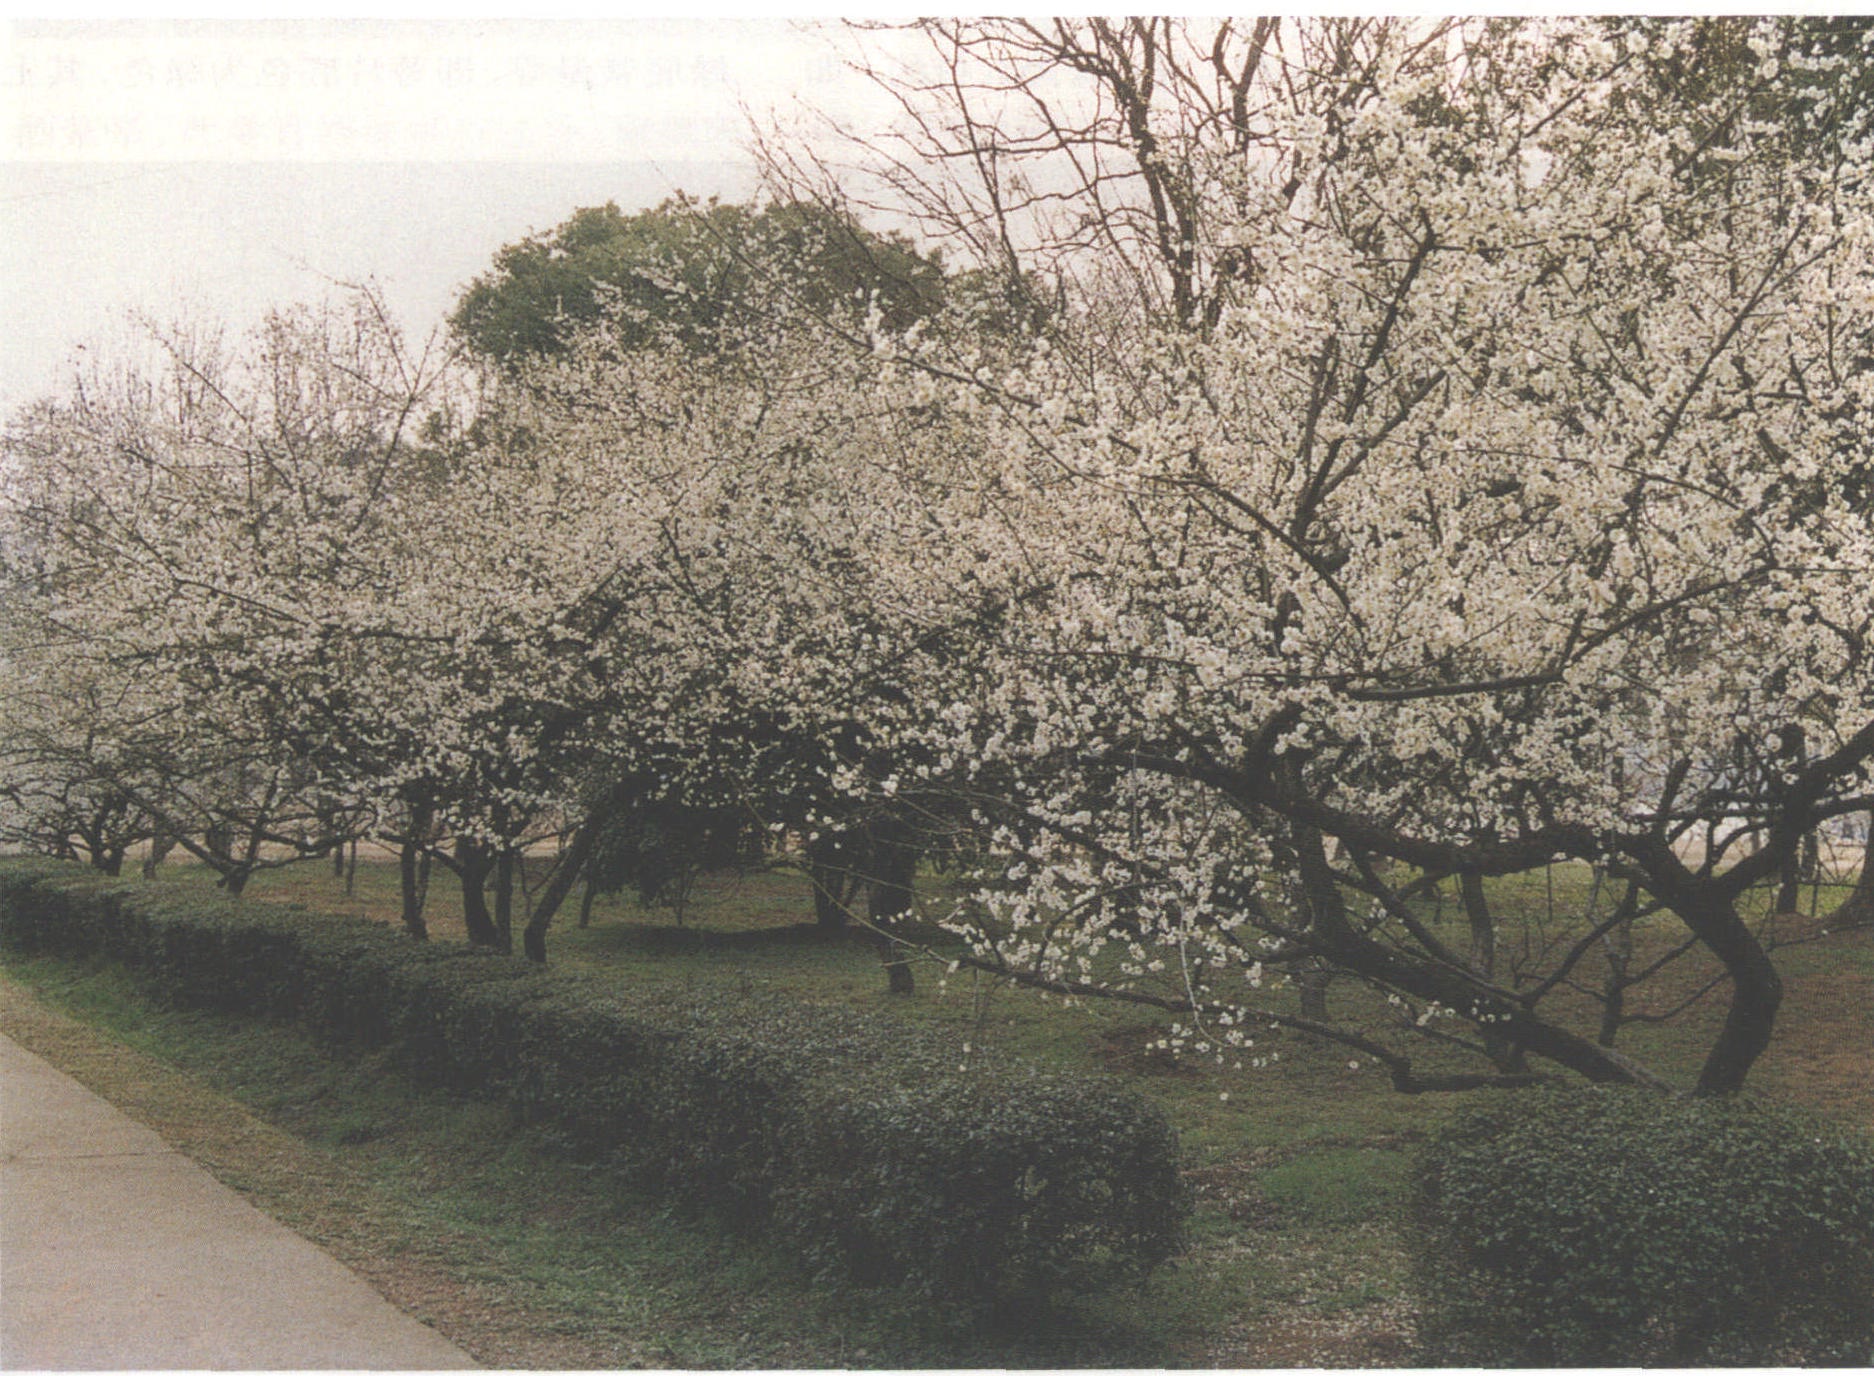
point(572, 864)
point(1708, 908)
point(1312, 978)
point(585, 905)
point(1321, 905)
point(1483, 926)
point(106, 854)
point(1789, 884)
point(1506, 1055)
point(338, 860)
point(1353, 951)
point(413, 868)
point(409, 857)
point(830, 870)
point(504, 902)
point(1857, 909)
point(829, 913)
point(1618, 945)
point(1757, 992)
point(161, 843)
point(894, 867)
point(250, 854)
point(474, 863)
point(218, 841)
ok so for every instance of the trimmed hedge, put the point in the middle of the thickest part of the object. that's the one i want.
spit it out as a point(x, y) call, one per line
point(1610, 1227)
point(830, 1132)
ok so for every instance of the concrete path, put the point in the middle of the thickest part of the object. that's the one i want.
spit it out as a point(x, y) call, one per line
point(119, 1253)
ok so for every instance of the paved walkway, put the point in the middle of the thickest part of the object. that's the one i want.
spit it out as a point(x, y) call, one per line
point(119, 1253)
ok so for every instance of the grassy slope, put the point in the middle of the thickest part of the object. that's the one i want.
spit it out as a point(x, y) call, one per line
point(530, 1261)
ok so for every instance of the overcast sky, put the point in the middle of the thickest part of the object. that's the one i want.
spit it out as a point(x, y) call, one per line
point(218, 167)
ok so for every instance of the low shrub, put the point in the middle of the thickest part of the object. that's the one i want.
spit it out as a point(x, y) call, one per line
point(828, 1131)
point(1615, 1227)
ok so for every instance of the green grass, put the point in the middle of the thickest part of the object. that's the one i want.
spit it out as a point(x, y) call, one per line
point(745, 933)
point(1297, 1166)
point(570, 1269)
point(1339, 1185)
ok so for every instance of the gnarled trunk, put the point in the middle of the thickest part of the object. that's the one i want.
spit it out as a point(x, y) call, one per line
point(1708, 909)
point(1756, 993)
point(572, 864)
point(1857, 909)
point(474, 863)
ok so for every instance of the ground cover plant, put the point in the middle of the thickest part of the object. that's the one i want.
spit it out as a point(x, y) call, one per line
point(1605, 1225)
point(1296, 1252)
point(970, 1180)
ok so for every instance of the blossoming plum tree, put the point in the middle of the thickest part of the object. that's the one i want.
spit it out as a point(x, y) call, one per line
point(198, 543)
point(1479, 488)
point(1442, 453)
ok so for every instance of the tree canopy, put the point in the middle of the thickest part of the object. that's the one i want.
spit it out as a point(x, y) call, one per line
point(1439, 459)
point(700, 271)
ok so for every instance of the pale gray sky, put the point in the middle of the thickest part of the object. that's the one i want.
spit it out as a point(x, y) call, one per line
point(217, 167)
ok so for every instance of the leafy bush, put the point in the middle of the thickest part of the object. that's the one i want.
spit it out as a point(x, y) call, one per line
point(1615, 1227)
point(826, 1130)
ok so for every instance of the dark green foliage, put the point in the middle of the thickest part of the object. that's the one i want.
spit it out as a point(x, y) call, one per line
point(693, 271)
point(958, 1172)
point(1614, 1227)
point(659, 847)
point(821, 1128)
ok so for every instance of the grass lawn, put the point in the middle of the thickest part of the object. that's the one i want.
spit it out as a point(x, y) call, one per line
point(528, 1259)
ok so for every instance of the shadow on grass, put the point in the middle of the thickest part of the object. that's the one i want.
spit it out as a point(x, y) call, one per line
point(671, 939)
